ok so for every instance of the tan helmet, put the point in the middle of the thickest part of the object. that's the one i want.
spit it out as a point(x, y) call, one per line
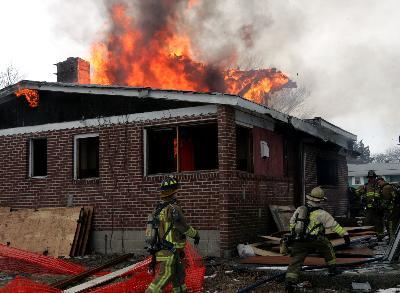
point(317, 194)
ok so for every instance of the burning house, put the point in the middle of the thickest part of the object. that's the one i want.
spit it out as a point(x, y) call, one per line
point(70, 142)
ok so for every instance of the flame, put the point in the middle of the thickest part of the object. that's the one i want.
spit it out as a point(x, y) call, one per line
point(31, 96)
point(163, 59)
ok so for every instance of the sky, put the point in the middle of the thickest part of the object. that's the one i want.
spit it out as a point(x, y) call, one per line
point(346, 53)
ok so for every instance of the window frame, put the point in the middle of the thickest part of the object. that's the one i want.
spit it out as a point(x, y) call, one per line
point(31, 161)
point(76, 157)
point(176, 126)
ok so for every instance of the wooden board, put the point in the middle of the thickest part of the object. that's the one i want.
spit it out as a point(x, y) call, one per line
point(104, 279)
point(355, 252)
point(48, 229)
point(262, 252)
point(83, 222)
point(75, 243)
point(87, 230)
point(286, 260)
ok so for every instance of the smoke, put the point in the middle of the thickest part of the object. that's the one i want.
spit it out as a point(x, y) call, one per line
point(343, 52)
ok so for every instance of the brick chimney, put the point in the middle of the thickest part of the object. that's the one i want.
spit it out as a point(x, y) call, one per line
point(73, 70)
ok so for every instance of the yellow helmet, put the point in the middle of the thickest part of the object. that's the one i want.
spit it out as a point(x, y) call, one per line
point(317, 194)
point(169, 186)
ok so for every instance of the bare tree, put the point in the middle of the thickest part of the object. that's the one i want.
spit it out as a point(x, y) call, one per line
point(9, 76)
point(291, 101)
point(391, 155)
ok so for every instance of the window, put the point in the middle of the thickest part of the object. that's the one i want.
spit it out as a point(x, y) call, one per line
point(198, 148)
point(244, 149)
point(357, 180)
point(38, 157)
point(86, 156)
point(327, 172)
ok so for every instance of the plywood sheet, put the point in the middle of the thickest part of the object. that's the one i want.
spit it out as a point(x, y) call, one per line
point(48, 229)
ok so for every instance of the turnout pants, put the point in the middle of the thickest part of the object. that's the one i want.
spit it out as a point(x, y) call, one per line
point(375, 218)
point(172, 270)
point(300, 250)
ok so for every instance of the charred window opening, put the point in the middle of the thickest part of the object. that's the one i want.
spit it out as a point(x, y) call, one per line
point(86, 156)
point(198, 145)
point(244, 149)
point(327, 172)
point(38, 157)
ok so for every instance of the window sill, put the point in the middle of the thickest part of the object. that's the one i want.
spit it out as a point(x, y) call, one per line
point(38, 177)
point(86, 180)
point(181, 173)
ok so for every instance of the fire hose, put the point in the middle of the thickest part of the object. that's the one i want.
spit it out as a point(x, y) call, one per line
point(280, 276)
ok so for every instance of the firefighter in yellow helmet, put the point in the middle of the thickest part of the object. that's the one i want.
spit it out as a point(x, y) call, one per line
point(307, 226)
point(390, 210)
point(370, 194)
point(170, 239)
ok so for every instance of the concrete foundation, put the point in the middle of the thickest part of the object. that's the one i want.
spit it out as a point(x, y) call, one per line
point(107, 242)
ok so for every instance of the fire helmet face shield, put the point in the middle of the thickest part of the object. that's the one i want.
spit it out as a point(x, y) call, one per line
point(168, 186)
point(371, 174)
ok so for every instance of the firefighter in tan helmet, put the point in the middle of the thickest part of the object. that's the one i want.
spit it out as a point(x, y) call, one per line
point(166, 236)
point(307, 226)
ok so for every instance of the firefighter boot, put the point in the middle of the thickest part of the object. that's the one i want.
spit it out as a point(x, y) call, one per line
point(289, 287)
point(333, 270)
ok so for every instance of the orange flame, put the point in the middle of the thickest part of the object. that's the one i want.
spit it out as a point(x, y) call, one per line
point(163, 60)
point(31, 96)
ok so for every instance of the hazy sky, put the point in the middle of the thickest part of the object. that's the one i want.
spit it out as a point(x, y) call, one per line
point(346, 52)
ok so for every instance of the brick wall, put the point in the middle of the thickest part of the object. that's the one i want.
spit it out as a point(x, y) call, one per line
point(235, 203)
point(337, 203)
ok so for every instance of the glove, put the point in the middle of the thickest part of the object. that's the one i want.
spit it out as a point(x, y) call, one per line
point(346, 240)
point(196, 239)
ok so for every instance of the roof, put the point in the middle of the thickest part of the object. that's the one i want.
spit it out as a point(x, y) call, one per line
point(322, 130)
point(379, 168)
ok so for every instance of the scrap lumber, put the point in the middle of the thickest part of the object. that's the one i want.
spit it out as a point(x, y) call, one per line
point(87, 230)
point(106, 278)
point(355, 252)
point(286, 260)
point(65, 283)
point(262, 252)
point(77, 233)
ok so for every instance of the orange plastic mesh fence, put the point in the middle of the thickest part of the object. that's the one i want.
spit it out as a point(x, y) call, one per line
point(24, 285)
point(17, 260)
point(139, 278)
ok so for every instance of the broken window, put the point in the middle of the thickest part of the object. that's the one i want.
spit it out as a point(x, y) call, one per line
point(38, 157)
point(327, 172)
point(86, 156)
point(197, 149)
point(244, 149)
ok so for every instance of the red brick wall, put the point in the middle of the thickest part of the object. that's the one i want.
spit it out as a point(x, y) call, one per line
point(245, 197)
point(231, 201)
point(122, 197)
point(337, 203)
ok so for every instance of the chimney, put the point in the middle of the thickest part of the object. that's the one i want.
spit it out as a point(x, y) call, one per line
point(73, 70)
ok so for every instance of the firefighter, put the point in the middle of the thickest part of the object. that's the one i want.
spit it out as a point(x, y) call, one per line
point(371, 197)
point(390, 211)
point(172, 233)
point(307, 226)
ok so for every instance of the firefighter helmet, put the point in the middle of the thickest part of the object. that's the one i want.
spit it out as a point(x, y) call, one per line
point(371, 173)
point(169, 186)
point(317, 194)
